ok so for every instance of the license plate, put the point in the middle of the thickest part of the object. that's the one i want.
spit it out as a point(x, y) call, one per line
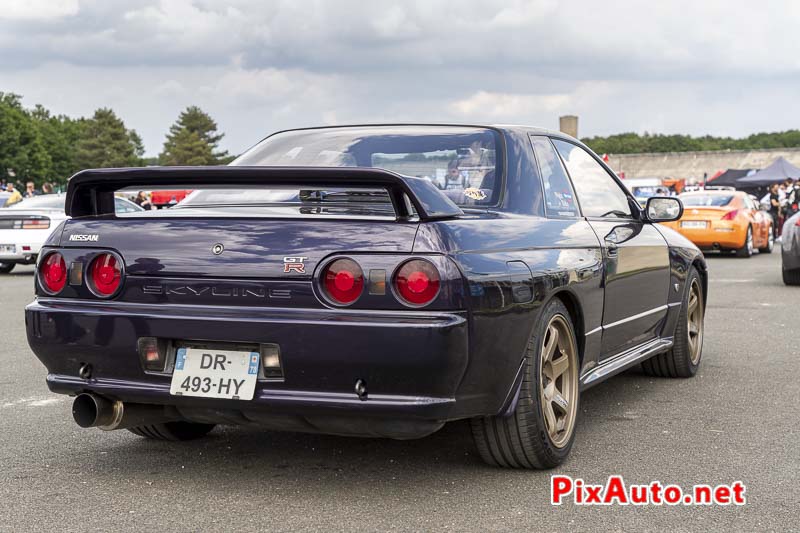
point(694, 224)
point(211, 373)
point(8, 248)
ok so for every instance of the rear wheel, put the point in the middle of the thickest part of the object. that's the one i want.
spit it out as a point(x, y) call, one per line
point(173, 431)
point(747, 248)
point(770, 242)
point(5, 268)
point(683, 359)
point(540, 431)
point(791, 277)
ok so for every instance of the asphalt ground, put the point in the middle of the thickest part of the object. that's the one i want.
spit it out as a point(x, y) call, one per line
point(736, 420)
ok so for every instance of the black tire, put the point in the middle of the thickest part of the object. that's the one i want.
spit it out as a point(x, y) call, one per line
point(770, 242)
point(747, 248)
point(521, 439)
point(791, 277)
point(5, 268)
point(173, 431)
point(677, 362)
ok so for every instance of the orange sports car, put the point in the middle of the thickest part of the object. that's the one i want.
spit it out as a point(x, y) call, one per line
point(725, 220)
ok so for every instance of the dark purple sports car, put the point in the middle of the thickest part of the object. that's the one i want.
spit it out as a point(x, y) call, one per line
point(371, 281)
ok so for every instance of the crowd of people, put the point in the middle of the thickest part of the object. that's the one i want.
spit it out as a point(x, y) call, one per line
point(30, 190)
point(783, 201)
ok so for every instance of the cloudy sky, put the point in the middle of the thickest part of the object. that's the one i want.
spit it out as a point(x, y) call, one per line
point(722, 67)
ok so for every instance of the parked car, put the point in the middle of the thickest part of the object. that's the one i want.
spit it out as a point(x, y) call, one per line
point(167, 198)
point(301, 289)
point(790, 250)
point(726, 220)
point(26, 225)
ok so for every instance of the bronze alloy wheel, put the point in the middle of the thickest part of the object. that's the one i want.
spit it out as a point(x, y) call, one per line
point(694, 317)
point(558, 391)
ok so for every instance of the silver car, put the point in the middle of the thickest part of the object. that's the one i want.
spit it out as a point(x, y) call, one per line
point(790, 250)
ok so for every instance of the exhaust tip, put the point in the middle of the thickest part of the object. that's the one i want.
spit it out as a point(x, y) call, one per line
point(85, 410)
point(91, 410)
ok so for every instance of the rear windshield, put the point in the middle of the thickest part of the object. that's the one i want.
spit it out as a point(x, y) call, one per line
point(463, 162)
point(707, 200)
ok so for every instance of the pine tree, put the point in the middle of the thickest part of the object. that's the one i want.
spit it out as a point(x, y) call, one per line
point(193, 140)
point(105, 142)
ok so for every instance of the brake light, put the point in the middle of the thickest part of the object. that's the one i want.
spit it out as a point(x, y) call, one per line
point(53, 273)
point(105, 275)
point(36, 223)
point(730, 215)
point(417, 282)
point(343, 281)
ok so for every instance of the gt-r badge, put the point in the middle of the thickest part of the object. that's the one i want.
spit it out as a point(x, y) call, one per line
point(294, 264)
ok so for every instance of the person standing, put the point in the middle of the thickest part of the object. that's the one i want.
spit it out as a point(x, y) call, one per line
point(30, 190)
point(143, 201)
point(775, 208)
point(15, 195)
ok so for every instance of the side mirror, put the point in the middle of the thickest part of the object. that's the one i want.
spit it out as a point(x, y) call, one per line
point(663, 209)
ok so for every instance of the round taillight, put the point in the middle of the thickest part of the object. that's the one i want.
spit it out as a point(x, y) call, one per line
point(105, 275)
point(343, 281)
point(53, 273)
point(417, 282)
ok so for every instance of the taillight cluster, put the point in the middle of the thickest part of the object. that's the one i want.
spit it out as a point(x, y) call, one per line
point(343, 281)
point(105, 275)
point(103, 280)
point(53, 273)
point(730, 215)
point(415, 282)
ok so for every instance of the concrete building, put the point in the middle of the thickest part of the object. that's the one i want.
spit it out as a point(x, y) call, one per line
point(568, 124)
point(692, 165)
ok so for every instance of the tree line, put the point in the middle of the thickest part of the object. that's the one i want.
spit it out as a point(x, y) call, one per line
point(38, 146)
point(633, 143)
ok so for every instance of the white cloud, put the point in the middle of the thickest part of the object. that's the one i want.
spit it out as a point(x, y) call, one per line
point(37, 9)
point(677, 66)
point(504, 106)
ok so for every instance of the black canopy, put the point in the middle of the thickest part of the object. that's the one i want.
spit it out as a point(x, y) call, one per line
point(730, 177)
point(778, 171)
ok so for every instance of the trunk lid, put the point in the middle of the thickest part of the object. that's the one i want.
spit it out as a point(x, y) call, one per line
point(252, 248)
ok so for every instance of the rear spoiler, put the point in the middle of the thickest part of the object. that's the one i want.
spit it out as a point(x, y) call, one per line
point(91, 192)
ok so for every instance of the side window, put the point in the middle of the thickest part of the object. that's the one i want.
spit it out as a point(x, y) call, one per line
point(598, 193)
point(558, 193)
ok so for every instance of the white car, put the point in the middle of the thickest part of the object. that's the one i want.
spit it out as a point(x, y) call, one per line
point(26, 225)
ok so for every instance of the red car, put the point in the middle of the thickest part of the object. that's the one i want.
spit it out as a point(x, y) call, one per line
point(162, 199)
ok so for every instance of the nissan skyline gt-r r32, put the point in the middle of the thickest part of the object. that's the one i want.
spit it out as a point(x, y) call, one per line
point(482, 273)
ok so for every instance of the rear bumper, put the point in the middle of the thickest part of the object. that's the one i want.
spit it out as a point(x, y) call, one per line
point(717, 234)
point(412, 362)
point(25, 250)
